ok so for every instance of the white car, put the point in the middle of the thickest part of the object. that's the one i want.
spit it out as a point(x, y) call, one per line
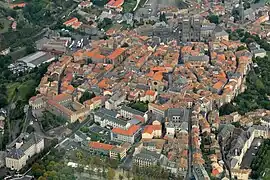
point(31, 123)
point(253, 154)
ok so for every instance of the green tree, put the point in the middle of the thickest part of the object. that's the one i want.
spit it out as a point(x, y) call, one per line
point(86, 96)
point(240, 48)
point(214, 19)
point(110, 174)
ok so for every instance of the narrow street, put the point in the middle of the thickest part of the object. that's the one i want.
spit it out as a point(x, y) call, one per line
point(188, 113)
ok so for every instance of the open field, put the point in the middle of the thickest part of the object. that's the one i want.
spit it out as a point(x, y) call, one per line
point(5, 23)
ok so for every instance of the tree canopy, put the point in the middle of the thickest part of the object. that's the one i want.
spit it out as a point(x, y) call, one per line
point(214, 19)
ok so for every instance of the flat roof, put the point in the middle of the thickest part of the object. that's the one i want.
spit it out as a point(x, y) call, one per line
point(37, 58)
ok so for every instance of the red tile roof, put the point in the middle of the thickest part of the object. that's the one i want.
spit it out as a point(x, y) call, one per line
point(150, 128)
point(20, 5)
point(150, 92)
point(129, 132)
point(71, 21)
point(61, 97)
point(98, 145)
point(116, 53)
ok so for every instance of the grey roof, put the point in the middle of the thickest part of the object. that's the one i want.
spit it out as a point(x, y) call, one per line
point(134, 121)
point(175, 112)
point(15, 153)
point(116, 120)
point(37, 58)
point(219, 31)
point(31, 140)
point(248, 11)
point(196, 58)
point(258, 127)
point(146, 155)
point(81, 135)
point(258, 51)
point(142, 86)
point(132, 111)
point(226, 131)
point(102, 112)
point(184, 126)
point(200, 172)
point(167, 163)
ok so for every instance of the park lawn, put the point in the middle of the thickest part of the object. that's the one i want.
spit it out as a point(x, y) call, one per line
point(11, 89)
point(140, 106)
point(129, 5)
point(24, 89)
point(6, 24)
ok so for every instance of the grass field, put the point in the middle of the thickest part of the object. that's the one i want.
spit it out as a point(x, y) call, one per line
point(23, 89)
point(6, 23)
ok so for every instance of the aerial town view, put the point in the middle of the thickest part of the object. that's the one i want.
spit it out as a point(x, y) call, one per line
point(134, 89)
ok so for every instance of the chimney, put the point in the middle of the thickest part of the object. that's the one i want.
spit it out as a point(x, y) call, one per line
point(19, 143)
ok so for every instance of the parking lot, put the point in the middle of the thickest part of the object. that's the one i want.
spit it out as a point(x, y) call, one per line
point(251, 153)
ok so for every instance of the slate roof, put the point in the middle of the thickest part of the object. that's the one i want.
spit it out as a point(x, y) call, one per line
point(15, 153)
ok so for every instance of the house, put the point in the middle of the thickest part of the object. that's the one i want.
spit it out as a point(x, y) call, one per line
point(200, 172)
point(241, 174)
point(120, 152)
point(65, 106)
point(259, 53)
point(146, 158)
point(157, 109)
point(114, 122)
point(112, 151)
point(100, 113)
point(256, 50)
point(85, 4)
point(115, 4)
point(149, 96)
point(169, 165)
point(24, 149)
point(100, 148)
point(74, 23)
point(261, 131)
point(219, 34)
point(175, 117)
point(116, 56)
point(95, 102)
point(115, 100)
point(128, 113)
point(130, 135)
point(196, 60)
point(152, 131)
point(155, 145)
point(240, 143)
point(37, 102)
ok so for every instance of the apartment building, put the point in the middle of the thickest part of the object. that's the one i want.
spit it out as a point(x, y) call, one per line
point(24, 149)
point(146, 158)
point(130, 135)
point(128, 113)
point(65, 106)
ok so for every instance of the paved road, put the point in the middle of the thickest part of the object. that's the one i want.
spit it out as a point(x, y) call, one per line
point(187, 117)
